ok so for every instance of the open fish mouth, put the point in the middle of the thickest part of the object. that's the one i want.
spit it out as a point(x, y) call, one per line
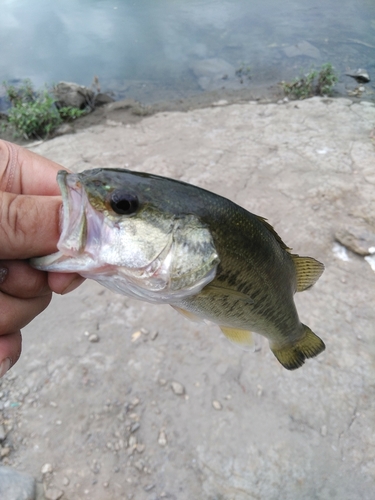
point(74, 228)
point(73, 237)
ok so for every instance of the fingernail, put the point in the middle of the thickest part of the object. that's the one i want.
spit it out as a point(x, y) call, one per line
point(3, 274)
point(4, 366)
point(73, 285)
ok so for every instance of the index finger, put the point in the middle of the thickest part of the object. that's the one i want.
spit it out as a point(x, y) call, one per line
point(25, 172)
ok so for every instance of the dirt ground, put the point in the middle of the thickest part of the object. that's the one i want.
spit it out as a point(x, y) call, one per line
point(118, 399)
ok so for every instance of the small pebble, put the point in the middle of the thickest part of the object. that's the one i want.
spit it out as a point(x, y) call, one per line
point(221, 102)
point(140, 448)
point(94, 338)
point(132, 442)
point(162, 381)
point(135, 402)
point(154, 335)
point(149, 487)
point(134, 427)
point(217, 405)
point(178, 388)
point(139, 465)
point(53, 493)
point(162, 439)
point(4, 452)
point(66, 481)
point(46, 468)
point(136, 335)
point(323, 430)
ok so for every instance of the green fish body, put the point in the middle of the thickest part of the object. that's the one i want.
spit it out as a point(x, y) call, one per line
point(165, 241)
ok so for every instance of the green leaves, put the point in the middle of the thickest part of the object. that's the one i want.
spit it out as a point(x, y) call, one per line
point(312, 83)
point(34, 114)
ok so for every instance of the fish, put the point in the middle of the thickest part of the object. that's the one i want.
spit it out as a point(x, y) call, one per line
point(166, 241)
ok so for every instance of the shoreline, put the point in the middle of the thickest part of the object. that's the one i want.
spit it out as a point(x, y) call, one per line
point(130, 111)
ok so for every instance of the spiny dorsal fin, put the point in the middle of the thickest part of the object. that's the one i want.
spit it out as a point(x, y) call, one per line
point(308, 271)
point(271, 230)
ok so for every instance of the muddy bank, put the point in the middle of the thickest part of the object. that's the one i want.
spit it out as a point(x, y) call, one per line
point(94, 394)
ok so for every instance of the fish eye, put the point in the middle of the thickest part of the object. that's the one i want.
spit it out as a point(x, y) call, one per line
point(124, 203)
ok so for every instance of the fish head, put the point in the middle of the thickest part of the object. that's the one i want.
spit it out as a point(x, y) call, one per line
point(128, 231)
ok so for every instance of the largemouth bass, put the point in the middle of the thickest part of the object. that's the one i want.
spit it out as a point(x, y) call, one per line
point(165, 241)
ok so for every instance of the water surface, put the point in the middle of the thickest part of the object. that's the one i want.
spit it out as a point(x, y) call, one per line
point(165, 49)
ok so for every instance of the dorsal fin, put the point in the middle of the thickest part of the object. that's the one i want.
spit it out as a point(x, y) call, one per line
point(308, 271)
point(271, 230)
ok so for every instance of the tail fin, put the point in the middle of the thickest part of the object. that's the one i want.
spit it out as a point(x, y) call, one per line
point(294, 355)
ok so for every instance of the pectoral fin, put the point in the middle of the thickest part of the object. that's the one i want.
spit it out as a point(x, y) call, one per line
point(188, 315)
point(243, 338)
point(308, 271)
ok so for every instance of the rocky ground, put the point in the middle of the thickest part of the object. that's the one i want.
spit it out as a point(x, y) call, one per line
point(118, 399)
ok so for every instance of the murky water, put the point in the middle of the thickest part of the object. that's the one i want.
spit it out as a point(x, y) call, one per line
point(164, 49)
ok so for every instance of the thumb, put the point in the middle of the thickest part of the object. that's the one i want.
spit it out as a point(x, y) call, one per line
point(29, 225)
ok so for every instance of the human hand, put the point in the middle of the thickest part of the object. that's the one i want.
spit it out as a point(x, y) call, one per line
point(29, 227)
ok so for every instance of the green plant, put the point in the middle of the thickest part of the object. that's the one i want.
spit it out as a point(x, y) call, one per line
point(327, 78)
point(312, 83)
point(34, 114)
point(68, 113)
point(25, 93)
point(37, 118)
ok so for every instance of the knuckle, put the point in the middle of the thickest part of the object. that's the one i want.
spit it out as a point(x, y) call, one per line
point(11, 226)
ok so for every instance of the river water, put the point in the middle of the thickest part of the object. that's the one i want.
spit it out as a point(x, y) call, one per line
point(167, 49)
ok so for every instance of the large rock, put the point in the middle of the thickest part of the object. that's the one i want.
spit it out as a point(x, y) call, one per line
point(74, 95)
point(16, 486)
point(359, 238)
point(302, 48)
point(215, 73)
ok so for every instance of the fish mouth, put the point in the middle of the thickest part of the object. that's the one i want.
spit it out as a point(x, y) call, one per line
point(73, 231)
point(73, 227)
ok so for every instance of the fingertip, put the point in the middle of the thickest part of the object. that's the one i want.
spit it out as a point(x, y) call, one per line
point(4, 366)
point(10, 350)
point(64, 283)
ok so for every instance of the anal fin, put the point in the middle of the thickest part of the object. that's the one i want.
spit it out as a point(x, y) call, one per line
point(242, 338)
